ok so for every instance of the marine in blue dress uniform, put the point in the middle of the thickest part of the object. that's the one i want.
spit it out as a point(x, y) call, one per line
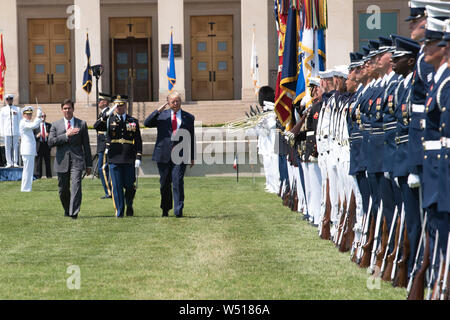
point(124, 153)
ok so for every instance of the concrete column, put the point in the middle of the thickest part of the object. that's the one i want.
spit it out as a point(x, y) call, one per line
point(171, 14)
point(89, 23)
point(339, 35)
point(8, 27)
point(254, 14)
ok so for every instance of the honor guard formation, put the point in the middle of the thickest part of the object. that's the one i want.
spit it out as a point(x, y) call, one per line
point(367, 161)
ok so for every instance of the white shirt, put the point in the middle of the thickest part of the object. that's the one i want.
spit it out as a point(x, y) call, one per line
point(28, 141)
point(9, 120)
point(71, 122)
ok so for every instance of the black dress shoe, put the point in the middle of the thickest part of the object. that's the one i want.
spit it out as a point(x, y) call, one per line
point(74, 217)
point(165, 213)
point(178, 216)
point(130, 211)
point(106, 197)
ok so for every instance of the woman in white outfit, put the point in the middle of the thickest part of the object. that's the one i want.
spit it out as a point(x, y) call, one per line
point(28, 145)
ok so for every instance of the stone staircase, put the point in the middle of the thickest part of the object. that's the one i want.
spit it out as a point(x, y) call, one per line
point(207, 113)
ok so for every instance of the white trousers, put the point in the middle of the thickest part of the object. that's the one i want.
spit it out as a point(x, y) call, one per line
point(324, 175)
point(12, 150)
point(334, 189)
point(315, 194)
point(307, 188)
point(272, 173)
point(300, 193)
point(27, 173)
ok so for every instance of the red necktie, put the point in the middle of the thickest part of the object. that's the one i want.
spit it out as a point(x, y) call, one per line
point(174, 123)
point(68, 125)
point(42, 132)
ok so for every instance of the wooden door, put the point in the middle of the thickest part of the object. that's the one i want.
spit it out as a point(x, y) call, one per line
point(131, 55)
point(49, 60)
point(131, 68)
point(212, 58)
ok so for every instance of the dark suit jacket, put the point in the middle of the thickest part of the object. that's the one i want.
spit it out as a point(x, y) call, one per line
point(38, 140)
point(75, 148)
point(164, 143)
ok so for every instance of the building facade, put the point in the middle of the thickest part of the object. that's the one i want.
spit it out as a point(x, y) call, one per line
point(44, 43)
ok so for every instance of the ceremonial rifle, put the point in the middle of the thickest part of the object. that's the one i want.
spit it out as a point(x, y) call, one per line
point(433, 266)
point(399, 244)
point(348, 235)
point(417, 288)
point(384, 243)
point(363, 237)
point(416, 260)
point(295, 205)
point(340, 228)
point(373, 258)
point(391, 233)
point(438, 282)
point(401, 278)
point(325, 229)
point(444, 292)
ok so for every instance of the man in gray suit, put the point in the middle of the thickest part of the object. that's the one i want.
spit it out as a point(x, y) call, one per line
point(73, 155)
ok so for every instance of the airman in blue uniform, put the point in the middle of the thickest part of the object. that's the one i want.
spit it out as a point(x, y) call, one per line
point(435, 56)
point(404, 59)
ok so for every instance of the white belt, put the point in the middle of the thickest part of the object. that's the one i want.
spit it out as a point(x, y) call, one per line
point(310, 133)
point(432, 145)
point(418, 108)
point(445, 142)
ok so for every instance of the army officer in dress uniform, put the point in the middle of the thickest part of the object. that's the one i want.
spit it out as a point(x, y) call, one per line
point(124, 153)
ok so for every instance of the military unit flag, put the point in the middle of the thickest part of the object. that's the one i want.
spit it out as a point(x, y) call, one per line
point(171, 76)
point(87, 77)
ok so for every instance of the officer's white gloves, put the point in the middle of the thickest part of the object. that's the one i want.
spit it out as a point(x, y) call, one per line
point(137, 163)
point(106, 113)
point(386, 175)
point(290, 137)
point(396, 181)
point(39, 113)
point(413, 181)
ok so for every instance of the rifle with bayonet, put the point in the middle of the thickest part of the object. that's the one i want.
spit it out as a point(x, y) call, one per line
point(438, 282)
point(340, 227)
point(416, 260)
point(348, 234)
point(373, 257)
point(401, 278)
point(417, 287)
point(393, 229)
point(444, 291)
point(399, 244)
point(433, 266)
point(326, 219)
point(365, 231)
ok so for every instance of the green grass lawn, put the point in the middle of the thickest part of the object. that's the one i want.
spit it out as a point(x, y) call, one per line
point(235, 242)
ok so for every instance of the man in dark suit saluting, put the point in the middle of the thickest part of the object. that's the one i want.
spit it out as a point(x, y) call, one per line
point(174, 149)
point(73, 155)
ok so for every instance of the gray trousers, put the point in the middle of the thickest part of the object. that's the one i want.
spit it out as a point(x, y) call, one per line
point(70, 199)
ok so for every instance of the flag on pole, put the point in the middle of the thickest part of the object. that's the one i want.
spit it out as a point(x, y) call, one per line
point(171, 76)
point(2, 69)
point(254, 67)
point(87, 77)
point(283, 102)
